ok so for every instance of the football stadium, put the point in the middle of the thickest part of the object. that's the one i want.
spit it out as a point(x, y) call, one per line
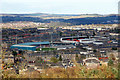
point(44, 46)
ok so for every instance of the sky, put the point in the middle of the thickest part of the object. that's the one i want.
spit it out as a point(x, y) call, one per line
point(59, 6)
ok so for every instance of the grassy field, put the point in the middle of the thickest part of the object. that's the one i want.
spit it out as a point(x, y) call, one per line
point(69, 17)
point(46, 49)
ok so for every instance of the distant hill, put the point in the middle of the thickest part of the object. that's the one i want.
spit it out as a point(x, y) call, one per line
point(50, 15)
point(67, 18)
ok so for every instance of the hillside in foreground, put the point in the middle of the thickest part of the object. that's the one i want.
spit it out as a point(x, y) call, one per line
point(75, 72)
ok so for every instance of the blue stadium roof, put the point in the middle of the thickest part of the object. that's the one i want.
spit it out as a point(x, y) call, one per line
point(33, 43)
point(28, 46)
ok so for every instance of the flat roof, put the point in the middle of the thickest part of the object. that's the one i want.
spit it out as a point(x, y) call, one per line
point(23, 46)
point(28, 46)
point(33, 43)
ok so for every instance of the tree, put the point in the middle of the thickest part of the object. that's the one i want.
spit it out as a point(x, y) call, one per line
point(20, 52)
point(14, 53)
point(114, 48)
point(60, 34)
point(119, 66)
point(94, 50)
point(76, 55)
point(76, 58)
point(112, 56)
point(60, 58)
point(110, 62)
point(119, 70)
point(94, 33)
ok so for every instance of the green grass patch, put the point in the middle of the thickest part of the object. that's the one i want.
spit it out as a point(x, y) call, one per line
point(46, 49)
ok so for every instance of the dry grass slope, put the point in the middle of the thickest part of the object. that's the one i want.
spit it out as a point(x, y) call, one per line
point(75, 72)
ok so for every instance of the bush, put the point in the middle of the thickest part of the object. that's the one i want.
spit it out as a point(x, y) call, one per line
point(54, 60)
point(110, 62)
point(114, 48)
point(112, 56)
